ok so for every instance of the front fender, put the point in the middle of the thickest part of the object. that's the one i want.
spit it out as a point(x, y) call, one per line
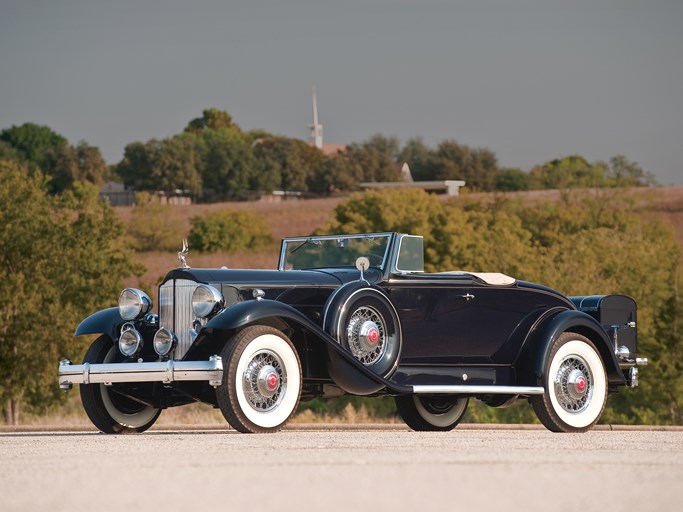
point(533, 357)
point(108, 321)
point(345, 370)
point(253, 311)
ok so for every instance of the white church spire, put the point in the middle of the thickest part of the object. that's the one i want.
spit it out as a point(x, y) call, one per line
point(316, 127)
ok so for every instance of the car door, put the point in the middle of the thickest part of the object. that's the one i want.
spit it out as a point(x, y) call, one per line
point(455, 320)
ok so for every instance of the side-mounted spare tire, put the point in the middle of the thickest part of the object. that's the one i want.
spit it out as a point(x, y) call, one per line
point(364, 321)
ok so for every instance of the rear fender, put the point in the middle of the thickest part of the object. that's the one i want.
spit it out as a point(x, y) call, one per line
point(533, 357)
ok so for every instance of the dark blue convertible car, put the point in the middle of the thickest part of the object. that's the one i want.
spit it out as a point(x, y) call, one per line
point(353, 314)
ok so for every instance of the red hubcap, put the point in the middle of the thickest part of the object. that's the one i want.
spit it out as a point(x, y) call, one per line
point(271, 380)
point(373, 335)
point(581, 384)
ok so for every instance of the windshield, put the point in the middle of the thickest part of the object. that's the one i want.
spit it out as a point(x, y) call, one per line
point(333, 251)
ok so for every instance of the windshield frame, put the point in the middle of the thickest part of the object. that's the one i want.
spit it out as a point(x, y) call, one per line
point(300, 242)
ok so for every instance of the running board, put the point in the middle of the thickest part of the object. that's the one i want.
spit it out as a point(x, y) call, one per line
point(478, 390)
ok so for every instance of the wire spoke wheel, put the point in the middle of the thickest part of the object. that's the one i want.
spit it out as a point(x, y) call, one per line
point(262, 383)
point(366, 335)
point(575, 385)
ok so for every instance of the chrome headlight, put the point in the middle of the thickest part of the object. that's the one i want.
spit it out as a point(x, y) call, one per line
point(164, 341)
point(206, 300)
point(133, 303)
point(130, 342)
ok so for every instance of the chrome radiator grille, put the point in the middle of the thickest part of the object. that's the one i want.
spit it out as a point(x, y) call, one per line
point(175, 311)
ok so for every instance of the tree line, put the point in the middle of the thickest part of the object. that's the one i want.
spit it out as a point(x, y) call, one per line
point(213, 159)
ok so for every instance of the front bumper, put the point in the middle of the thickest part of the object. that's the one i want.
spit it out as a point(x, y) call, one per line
point(166, 372)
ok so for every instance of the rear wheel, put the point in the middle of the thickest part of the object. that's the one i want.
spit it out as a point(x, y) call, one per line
point(431, 413)
point(575, 386)
point(109, 411)
point(262, 384)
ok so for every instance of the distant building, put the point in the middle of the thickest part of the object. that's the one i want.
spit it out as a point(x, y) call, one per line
point(448, 187)
point(116, 194)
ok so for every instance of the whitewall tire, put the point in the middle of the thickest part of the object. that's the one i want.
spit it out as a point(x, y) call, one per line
point(575, 385)
point(262, 384)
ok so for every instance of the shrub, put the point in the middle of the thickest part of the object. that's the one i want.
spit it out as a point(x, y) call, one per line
point(228, 231)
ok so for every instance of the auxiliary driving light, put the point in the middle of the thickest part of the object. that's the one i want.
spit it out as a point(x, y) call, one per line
point(164, 341)
point(130, 342)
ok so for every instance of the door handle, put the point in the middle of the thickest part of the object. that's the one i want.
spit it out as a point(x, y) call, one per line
point(467, 296)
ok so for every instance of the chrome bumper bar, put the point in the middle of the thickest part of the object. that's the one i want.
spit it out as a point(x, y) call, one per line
point(166, 372)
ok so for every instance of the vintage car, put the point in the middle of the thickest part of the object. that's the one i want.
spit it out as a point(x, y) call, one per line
point(353, 314)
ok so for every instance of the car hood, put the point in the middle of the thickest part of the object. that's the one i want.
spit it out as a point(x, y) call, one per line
point(241, 277)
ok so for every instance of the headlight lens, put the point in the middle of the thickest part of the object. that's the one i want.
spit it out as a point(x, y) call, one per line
point(130, 342)
point(133, 303)
point(205, 300)
point(164, 341)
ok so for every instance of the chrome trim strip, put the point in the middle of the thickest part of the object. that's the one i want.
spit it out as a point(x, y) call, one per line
point(463, 389)
point(166, 372)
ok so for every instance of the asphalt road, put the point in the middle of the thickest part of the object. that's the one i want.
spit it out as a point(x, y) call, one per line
point(350, 470)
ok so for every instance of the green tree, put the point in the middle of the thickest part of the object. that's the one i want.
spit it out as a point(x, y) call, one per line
point(167, 165)
point(62, 258)
point(66, 165)
point(336, 174)
point(7, 152)
point(569, 172)
point(376, 159)
point(625, 173)
point(511, 180)
point(31, 141)
point(212, 119)
point(455, 161)
point(286, 163)
point(229, 164)
point(418, 156)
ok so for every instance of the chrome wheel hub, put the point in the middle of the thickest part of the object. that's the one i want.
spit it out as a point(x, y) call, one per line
point(366, 336)
point(577, 384)
point(573, 384)
point(268, 381)
point(264, 381)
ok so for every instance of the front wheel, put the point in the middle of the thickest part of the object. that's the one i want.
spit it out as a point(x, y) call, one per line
point(575, 385)
point(431, 413)
point(110, 411)
point(262, 384)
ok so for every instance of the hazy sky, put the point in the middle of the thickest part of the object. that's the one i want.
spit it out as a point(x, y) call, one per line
point(531, 80)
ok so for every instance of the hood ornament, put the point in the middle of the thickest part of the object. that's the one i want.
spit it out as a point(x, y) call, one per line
point(182, 255)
